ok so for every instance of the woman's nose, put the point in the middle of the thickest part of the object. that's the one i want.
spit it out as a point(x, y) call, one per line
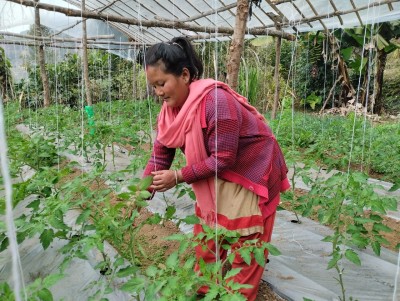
point(159, 92)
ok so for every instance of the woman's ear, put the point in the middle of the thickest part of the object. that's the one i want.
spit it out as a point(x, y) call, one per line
point(186, 75)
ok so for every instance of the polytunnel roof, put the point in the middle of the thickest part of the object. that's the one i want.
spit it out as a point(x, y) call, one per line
point(151, 21)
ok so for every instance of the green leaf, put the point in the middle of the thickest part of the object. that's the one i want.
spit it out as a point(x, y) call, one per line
point(360, 177)
point(45, 295)
point(124, 196)
point(83, 217)
point(381, 43)
point(56, 223)
point(395, 187)
point(34, 205)
point(334, 260)
point(145, 194)
point(376, 247)
point(169, 212)
point(191, 220)
point(132, 188)
point(246, 255)
point(134, 285)
point(4, 244)
point(359, 241)
point(145, 183)
point(346, 53)
point(259, 256)
point(125, 272)
point(46, 238)
point(52, 279)
point(381, 227)
point(211, 294)
point(192, 195)
point(352, 256)
point(272, 249)
point(172, 260)
point(151, 271)
point(232, 273)
point(176, 236)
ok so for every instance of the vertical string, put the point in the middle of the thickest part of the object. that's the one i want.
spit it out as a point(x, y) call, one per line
point(217, 253)
point(147, 88)
point(17, 274)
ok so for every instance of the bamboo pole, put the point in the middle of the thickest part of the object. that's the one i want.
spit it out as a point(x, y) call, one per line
point(152, 23)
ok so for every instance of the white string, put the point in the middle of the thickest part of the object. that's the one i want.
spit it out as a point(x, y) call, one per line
point(356, 103)
point(17, 274)
point(147, 90)
point(396, 279)
point(217, 253)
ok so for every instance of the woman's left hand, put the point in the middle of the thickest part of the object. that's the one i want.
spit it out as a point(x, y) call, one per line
point(163, 180)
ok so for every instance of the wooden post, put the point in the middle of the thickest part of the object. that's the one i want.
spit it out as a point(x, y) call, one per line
point(42, 61)
point(85, 60)
point(276, 77)
point(236, 47)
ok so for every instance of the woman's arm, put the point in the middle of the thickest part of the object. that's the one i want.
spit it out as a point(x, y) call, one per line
point(221, 136)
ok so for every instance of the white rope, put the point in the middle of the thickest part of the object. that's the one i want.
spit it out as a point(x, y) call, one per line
point(396, 279)
point(17, 274)
point(217, 253)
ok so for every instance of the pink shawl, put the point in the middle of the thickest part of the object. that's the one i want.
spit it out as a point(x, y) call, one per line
point(183, 127)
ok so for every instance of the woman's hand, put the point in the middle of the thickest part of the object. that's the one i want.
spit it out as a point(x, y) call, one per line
point(165, 179)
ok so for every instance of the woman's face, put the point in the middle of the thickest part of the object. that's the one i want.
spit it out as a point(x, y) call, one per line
point(170, 88)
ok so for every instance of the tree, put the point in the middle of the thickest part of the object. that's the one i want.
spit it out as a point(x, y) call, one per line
point(236, 47)
point(85, 60)
point(361, 45)
point(6, 79)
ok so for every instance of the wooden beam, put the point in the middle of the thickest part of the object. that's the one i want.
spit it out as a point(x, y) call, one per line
point(207, 13)
point(301, 14)
point(153, 23)
point(281, 15)
point(80, 21)
point(335, 9)
point(316, 18)
point(51, 45)
point(44, 38)
point(358, 15)
point(316, 13)
point(277, 2)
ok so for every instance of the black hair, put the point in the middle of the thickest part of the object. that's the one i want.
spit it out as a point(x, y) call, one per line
point(175, 55)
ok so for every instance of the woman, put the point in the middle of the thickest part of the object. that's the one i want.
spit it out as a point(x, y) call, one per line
point(234, 162)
